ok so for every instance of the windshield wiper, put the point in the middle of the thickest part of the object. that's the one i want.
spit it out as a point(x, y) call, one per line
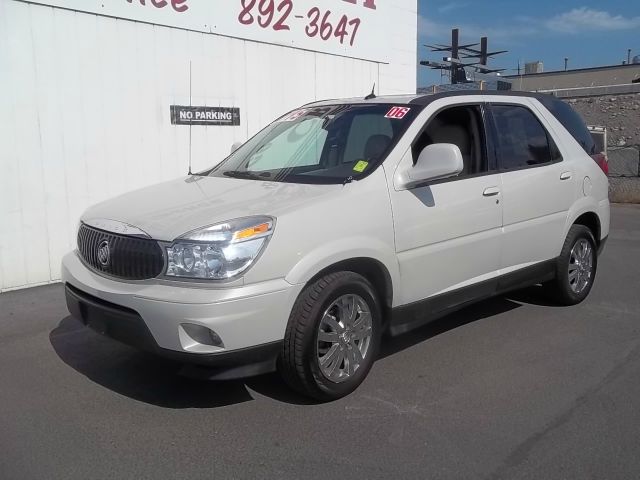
point(247, 175)
point(349, 179)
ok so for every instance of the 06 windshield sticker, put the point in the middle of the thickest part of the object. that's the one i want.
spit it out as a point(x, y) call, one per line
point(397, 113)
point(296, 114)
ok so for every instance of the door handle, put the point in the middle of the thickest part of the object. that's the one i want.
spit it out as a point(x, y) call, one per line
point(491, 192)
point(565, 175)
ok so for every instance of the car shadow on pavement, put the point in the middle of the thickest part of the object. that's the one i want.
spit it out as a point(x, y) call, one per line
point(157, 381)
point(534, 295)
point(473, 313)
point(152, 379)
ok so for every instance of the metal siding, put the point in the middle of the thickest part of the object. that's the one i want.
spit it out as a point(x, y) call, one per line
point(11, 255)
point(26, 256)
point(52, 144)
point(86, 112)
point(613, 75)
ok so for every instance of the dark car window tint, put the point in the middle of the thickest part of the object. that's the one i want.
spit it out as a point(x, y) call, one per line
point(522, 140)
point(368, 136)
point(572, 121)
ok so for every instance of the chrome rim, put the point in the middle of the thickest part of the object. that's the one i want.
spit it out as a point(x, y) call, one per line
point(344, 337)
point(580, 266)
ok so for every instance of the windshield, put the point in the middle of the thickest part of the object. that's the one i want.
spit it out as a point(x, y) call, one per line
point(326, 144)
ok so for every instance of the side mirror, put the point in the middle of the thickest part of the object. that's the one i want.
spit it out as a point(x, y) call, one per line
point(435, 162)
point(235, 146)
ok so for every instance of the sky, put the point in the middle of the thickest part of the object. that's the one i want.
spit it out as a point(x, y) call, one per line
point(588, 33)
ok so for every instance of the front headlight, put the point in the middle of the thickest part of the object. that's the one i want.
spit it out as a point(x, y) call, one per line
point(220, 251)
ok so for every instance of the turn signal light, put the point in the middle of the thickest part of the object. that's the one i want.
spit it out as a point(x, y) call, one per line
point(251, 231)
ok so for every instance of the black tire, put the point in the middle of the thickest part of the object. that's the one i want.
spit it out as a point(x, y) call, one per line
point(299, 363)
point(560, 288)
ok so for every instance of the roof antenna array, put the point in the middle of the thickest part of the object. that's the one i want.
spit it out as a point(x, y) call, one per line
point(372, 95)
point(455, 65)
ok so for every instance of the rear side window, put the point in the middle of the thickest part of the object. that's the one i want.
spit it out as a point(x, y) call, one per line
point(521, 139)
point(572, 121)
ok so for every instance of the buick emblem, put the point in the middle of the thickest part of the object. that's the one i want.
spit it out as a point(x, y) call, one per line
point(104, 253)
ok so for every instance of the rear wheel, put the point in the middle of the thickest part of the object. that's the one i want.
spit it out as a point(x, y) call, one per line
point(332, 337)
point(576, 268)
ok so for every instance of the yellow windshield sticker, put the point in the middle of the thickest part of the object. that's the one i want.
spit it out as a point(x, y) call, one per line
point(360, 166)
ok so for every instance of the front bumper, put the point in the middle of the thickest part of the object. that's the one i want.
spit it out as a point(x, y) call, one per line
point(251, 319)
point(127, 326)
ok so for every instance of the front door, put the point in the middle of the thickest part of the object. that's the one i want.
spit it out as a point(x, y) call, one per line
point(448, 232)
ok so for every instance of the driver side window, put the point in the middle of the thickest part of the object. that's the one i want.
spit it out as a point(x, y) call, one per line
point(462, 126)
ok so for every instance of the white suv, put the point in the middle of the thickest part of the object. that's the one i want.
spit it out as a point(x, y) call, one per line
point(340, 222)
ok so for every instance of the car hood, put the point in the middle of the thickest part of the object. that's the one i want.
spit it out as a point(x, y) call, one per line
point(168, 210)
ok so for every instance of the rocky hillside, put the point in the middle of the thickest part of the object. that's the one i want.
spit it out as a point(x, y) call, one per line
point(620, 114)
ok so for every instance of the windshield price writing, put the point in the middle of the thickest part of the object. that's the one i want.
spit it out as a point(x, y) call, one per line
point(317, 22)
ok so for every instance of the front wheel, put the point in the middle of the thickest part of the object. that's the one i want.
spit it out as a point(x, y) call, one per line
point(576, 267)
point(332, 337)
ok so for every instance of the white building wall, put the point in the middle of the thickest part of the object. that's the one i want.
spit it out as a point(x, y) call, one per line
point(84, 112)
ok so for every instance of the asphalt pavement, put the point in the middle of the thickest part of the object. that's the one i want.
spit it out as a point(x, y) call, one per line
point(511, 388)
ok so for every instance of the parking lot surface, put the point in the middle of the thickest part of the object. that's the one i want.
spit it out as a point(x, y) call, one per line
point(510, 388)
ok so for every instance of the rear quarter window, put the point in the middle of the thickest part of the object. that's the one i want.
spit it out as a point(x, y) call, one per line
point(572, 121)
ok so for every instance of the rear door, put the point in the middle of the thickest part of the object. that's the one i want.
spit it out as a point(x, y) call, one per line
point(538, 184)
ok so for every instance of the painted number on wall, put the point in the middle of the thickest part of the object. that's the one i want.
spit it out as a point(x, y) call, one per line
point(319, 23)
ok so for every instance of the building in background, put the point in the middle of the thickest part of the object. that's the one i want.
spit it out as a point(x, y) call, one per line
point(579, 78)
point(98, 96)
point(533, 67)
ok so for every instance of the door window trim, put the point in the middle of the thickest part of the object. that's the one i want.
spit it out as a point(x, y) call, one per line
point(488, 144)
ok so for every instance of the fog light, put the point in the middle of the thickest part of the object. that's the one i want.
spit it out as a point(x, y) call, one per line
point(203, 335)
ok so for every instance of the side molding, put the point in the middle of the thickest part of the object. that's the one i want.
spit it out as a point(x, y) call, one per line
point(409, 317)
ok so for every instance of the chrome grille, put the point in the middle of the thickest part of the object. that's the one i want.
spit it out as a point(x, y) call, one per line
point(127, 257)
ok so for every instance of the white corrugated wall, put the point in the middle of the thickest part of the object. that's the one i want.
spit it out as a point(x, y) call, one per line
point(84, 108)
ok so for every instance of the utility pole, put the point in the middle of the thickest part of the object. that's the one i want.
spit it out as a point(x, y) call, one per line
point(566, 63)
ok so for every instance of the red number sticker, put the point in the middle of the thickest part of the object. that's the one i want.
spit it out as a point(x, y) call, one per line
point(397, 113)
